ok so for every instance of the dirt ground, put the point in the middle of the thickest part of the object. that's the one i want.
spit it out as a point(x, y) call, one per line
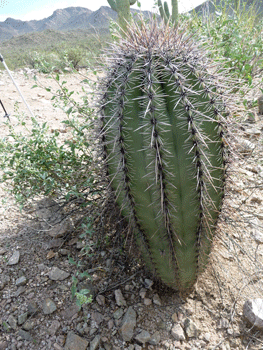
point(215, 308)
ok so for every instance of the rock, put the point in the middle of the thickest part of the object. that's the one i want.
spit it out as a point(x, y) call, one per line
point(207, 337)
point(32, 308)
point(143, 337)
point(58, 275)
point(97, 317)
point(21, 281)
point(148, 283)
point(12, 321)
point(64, 251)
point(95, 343)
point(119, 298)
point(4, 281)
point(118, 314)
point(252, 117)
point(177, 332)
point(55, 243)
point(142, 293)
point(2, 252)
point(49, 306)
point(54, 327)
point(155, 339)
point(22, 318)
point(25, 335)
point(260, 105)
point(191, 329)
point(28, 325)
point(253, 312)
point(14, 258)
point(128, 324)
point(100, 299)
point(3, 345)
point(258, 236)
point(174, 317)
point(70, 311)
point(157, 300)
point(74, 342)
point(147, 301)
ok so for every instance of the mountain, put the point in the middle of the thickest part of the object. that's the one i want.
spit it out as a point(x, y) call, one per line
point(70, 18)
point(209, 7)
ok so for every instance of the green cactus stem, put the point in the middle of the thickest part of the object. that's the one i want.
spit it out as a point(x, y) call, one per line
point(165, 13)
point(162, 131)
point(122, 7)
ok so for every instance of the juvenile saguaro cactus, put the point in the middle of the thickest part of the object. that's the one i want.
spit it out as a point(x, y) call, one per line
point(165, 13)
point(122, 7)
point(162, 130)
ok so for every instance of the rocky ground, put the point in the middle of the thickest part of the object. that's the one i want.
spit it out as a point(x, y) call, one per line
point(128, 308)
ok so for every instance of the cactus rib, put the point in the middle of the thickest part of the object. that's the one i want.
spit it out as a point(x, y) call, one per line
point(162, 125)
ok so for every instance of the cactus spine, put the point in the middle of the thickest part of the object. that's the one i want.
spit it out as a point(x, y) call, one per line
point(162, 131)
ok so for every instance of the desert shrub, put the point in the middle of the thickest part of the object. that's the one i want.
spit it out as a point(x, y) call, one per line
point(41, 162)
point(235, 36)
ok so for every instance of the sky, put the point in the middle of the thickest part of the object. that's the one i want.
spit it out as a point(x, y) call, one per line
point(38, 9)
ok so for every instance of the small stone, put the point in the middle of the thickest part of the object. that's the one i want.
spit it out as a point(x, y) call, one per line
point(22, 318)
point(97, 317)
point(2, 252)
point(56, 243)
point(21, 281)
point(207, 337)
point(191, 329)
point(74, 342)
point(28, 325)
point(70, 311)
point(155, 338)
point(148, 283)
point(20, 290)
point(54, 327)
point(12, 321)
point(142, 293)
point(14, 258)
point(258, 236)
point(157, 300)
point(137, 347)
point(3, 345)
point(118, 314)
point(58, 275)
point(49, 306)
point(25, 335)
point(174, 317)
point(32, 307)
point(143, 337)
point(100, 300)
point(119, 298)
point(128, 324)
point(178, 332)
point(64, 252)
point(147, 301)
point(253, 312)
point(4, 281)
point(57, 347)
point(95, 343)
point(51, 254)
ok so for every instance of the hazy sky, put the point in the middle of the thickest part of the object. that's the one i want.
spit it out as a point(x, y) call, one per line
point(38, 9)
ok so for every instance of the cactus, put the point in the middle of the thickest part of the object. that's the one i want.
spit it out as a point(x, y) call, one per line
point(122, 7)
point(165, 13)
point(162, 132)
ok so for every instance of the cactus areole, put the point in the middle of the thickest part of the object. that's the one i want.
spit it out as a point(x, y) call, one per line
point(162, 131)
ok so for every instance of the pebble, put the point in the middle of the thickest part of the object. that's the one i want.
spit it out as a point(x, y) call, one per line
point(28, 325)
point(58, 275)
point(100, 299)
point(155, 338)
point(207, 337)
point(143, 337)
point(25, 335)
point(21, 281)
point(22, 318)
point(128, 324)
point(148, 283)
point(12, 321)
point(177, 332)
point(19, 291)
point(191, 329)
point(2, 252)
point(55, 325)
point(3, 345)
point(49, 306)
point(119, 298)
point(157, 300)
point(118, 314)
point(95, 343)
point(147, 301)
point(32, 307)
point(174, 317)
point(223, 323)
point(258, 236)
point(253, 312)
point(75, 342)
point(14, 258)
point(70, 311)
